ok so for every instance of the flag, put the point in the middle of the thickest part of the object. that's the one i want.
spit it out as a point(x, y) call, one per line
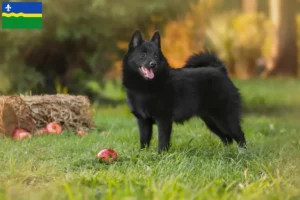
point(22, 15)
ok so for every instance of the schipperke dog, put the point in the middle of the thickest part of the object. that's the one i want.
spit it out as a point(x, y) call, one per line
point(158, 94)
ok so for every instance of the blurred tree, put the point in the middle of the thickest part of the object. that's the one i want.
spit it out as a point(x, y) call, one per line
point(186, 36)
point(251, 32)
point(220, 36)
point(250, 6)
point(239, 40)
point(283, 61)
point(78, 42)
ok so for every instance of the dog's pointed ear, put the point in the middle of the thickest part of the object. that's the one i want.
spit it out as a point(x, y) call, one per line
point(156, 38)
point(136, 39)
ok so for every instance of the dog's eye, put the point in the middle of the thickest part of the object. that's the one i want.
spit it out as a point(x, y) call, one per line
point(156, 55)
point(143, 55)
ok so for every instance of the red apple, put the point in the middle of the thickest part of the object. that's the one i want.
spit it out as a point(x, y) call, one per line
point(20, 134)
point(23, 135)
point(41, 131)
point(17, 131)
point(107, 155)
point(54, 128)
point(81, 133)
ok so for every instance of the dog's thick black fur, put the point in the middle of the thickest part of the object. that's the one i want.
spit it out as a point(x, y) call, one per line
point(158, 94)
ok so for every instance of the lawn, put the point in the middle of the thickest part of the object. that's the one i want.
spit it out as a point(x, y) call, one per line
point(198, 166)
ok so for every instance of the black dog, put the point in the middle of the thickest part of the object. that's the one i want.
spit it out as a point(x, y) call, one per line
point(158, 94)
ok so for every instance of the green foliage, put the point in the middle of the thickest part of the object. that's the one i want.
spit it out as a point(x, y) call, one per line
point(60, 89)
point(15, 77)
point(197, 166)
point(78, 41)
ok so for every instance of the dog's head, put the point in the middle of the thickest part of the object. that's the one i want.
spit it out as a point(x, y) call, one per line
point(144, 57)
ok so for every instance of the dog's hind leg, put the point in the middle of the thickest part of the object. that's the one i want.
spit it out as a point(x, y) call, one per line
point(145, 130)
point(230, 127)
point(240, 137)
point(215, 129)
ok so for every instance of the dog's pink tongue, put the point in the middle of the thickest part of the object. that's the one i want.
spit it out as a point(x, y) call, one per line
point(148, 72)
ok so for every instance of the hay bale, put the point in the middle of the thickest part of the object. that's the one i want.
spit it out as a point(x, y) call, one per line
point(34, 112)
point(72, 112)
point(14, 113)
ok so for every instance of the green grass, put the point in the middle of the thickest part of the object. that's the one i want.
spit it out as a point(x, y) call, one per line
point(197, 166)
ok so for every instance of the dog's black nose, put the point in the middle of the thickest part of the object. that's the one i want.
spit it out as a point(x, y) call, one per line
point(152, 64)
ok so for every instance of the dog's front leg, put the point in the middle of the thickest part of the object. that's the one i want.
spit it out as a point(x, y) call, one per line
point(164, 134)
point(145, 129)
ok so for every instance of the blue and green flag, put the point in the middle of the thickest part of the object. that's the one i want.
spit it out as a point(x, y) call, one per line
point(22, 15)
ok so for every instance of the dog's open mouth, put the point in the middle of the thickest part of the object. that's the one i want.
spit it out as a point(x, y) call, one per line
point(147, 72)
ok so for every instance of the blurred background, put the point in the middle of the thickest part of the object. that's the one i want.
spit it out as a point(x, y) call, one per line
point(80, 47)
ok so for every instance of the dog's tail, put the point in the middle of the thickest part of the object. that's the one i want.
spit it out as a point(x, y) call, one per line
point(205, 59)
